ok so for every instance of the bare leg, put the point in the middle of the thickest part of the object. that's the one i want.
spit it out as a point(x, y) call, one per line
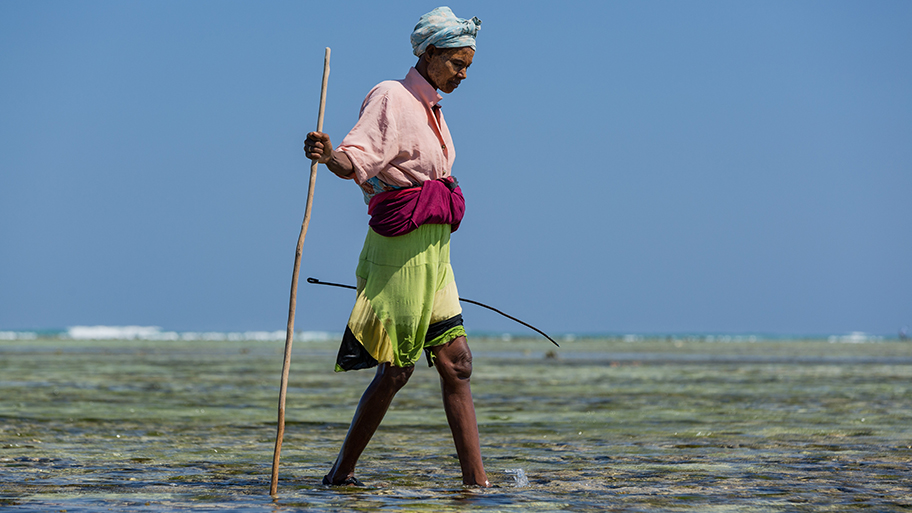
point(374, 403)
point(454, 364)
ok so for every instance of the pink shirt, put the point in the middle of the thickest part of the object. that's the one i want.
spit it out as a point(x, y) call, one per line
point(401, 137)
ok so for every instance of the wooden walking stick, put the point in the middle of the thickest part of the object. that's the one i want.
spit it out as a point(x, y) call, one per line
point(289, 332)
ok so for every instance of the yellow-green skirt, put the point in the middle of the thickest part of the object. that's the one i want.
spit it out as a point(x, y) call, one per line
point(407, 299)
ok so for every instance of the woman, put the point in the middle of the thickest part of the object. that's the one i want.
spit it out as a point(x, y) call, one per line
point(400, 153)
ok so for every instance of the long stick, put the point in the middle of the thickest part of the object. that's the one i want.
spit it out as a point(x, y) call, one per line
point(289, 332)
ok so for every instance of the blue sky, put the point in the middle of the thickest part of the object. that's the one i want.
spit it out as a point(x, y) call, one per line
point(628, 166)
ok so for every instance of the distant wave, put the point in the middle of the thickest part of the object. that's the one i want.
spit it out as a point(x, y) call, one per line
point(156, 333)
point(856, 337)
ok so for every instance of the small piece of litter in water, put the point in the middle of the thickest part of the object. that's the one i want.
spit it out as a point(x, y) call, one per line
point(519, 476)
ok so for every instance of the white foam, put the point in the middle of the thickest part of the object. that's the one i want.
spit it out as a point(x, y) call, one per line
point(18, 335)
point(156, 333)
point(856, 337)
point(113, 332)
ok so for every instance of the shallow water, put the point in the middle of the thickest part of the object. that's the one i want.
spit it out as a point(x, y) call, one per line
point(606, 424)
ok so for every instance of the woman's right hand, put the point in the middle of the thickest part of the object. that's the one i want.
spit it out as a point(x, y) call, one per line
point(317, 146)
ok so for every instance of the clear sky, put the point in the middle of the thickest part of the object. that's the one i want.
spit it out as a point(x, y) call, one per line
point(636, 166)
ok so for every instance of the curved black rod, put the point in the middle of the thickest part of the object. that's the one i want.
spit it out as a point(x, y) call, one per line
point(542, 333)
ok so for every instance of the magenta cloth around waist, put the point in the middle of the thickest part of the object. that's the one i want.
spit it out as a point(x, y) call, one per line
point(403, 210)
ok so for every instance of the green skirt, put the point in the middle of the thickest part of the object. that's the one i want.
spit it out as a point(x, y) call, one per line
point(407, 299)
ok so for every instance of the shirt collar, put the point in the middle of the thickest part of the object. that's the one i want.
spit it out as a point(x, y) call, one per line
point(420, 87)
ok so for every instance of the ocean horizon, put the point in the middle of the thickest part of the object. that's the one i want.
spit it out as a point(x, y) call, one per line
point(136, 332)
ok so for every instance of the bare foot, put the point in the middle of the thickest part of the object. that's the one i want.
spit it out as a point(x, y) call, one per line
point(349, 481)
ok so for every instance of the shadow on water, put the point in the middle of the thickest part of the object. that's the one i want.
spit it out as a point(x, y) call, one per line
point(652, 425)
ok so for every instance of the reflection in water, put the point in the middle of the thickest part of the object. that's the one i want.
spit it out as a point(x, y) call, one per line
point(648, 424)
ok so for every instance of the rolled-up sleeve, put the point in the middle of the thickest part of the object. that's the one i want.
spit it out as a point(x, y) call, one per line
point(373, 143)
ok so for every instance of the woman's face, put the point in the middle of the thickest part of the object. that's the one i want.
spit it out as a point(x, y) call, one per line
point(447, 67)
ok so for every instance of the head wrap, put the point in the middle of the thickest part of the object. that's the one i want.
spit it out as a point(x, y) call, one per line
point(443, 29)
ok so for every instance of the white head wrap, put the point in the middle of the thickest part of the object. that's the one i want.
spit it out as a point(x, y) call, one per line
point(443, 29)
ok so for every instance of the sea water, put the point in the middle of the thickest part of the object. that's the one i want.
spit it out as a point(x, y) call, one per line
point(636, 425)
